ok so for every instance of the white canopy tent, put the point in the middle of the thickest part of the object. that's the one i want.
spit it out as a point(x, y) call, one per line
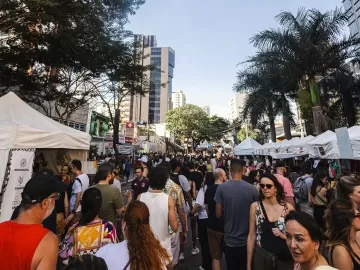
point(354, 135)
point(23, 128)
point(247, 147)
point(324, 146)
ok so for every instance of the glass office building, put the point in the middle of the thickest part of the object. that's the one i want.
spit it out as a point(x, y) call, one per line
point(352, 8)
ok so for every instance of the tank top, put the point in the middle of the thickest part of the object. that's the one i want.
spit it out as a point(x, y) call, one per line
point(18, 244)
point(265, 237)
point(352, 255)
point(158, 204)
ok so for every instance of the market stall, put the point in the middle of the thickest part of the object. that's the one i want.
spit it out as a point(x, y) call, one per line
point(247, 148)
point(324, 146)
point(29, 138)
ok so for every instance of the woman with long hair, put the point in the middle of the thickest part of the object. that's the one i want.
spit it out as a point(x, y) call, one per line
point(141, 250)
point(254, 178)
point(343, 222)
point(266, 237)
point(303, 238)
point(90, 233)
point(318, 191)
point(348, 188)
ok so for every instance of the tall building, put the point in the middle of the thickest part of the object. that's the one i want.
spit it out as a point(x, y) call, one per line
point(178, 99)
point(206, 109)
point(152, 107)
point(352, 8)
point(236, 105)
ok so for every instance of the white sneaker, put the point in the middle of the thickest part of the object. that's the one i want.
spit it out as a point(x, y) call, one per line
point(195, 251)
point(201, 268)
point(181, 257)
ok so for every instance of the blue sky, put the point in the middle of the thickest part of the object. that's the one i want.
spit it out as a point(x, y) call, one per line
point(210, 39)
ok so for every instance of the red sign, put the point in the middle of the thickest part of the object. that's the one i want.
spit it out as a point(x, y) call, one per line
point(130, 125)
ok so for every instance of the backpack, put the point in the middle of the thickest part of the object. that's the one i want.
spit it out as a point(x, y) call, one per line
point(70, 186)
point(300, 189)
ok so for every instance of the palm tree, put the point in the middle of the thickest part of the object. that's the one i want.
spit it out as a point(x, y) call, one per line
point(307, 45)
point(269, 95)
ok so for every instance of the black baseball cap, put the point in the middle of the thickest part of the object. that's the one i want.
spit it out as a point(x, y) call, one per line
point(279, 164)
point(40, 187)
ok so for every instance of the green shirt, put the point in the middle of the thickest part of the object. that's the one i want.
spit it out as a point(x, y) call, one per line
point(111, 201)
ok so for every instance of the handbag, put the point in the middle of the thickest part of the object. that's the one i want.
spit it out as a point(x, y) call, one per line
point(263, 260)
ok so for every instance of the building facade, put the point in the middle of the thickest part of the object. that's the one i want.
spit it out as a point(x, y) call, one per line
point(352, 8)
point(236, 105)
point(206, 109)
point(178, 99)
point(152, 107)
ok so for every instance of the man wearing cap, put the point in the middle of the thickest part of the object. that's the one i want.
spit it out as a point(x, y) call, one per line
point(25, 243)
point(280, 171)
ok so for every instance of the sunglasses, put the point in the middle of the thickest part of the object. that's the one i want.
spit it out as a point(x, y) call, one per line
point(357, 215)
point(268, 186)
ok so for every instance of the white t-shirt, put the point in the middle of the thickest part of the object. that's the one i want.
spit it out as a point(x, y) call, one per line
point(117, 184)
point(116, 256)
point(77, 188)
point(184, 183)
point(200, 200)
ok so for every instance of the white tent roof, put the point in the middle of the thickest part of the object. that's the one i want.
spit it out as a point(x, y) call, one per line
point(21, 126)
point(325, 146)
point(247, 147)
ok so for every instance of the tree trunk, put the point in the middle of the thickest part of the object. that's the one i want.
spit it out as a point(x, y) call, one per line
point(116, 131)
point(272, 122)
point(317, 109)
point(286, 118)
point(348, 108)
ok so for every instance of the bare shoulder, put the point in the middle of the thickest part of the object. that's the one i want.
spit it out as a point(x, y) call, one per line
point(289, 207)
point(46, 253)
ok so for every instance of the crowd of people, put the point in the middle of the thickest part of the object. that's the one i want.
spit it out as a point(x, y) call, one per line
point(265, 217)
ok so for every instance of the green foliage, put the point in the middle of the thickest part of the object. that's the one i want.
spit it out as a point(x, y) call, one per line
point(218, 127)
point(243, 133)
point(307, 45)
point(190, 121)
point(60, 52)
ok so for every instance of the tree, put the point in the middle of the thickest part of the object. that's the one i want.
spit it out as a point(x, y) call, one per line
point(128, 78)
point(247, 132)
point(217, 128)
point(265, 80)
point(188, 121)
point(308, 45)
point(55, 51)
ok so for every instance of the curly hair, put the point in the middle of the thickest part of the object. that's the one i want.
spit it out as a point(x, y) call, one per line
point(145, 251)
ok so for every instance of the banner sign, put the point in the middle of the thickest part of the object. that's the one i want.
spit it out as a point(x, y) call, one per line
point(344, 143)
point(21, 164)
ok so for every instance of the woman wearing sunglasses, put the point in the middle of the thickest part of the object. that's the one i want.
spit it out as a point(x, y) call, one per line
point(343, 222)
point(266, 244)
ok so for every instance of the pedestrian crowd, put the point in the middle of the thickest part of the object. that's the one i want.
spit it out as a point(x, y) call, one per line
point(264, 218)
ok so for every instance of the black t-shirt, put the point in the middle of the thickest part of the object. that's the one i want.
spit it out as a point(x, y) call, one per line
point(48, 223)
point(214, 223)
point(197, 178)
